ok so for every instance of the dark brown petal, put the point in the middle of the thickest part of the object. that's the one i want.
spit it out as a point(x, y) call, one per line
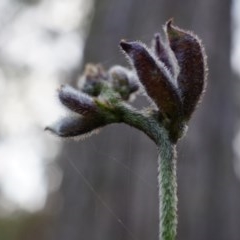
point(192, 62)
point(155, 78)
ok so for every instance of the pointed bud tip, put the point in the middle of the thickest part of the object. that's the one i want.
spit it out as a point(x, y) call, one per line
point(169, 23)
point(169, 28)
point(157, 37)
point(126, 46)
point(173, 31)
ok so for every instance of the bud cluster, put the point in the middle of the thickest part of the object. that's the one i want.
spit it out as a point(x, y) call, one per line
point(91, 105)
point(172, 74)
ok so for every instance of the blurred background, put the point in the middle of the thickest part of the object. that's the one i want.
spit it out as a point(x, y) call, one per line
point(105, 187)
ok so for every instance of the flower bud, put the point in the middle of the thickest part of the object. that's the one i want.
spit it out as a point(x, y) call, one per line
point(191, 58)
point(155, 78)
point(123, 81)
point(165, 55)
point(92, 79)
point(76, 101)
point(76, 126)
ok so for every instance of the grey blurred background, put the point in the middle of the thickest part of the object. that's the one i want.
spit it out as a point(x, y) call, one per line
point(105, 187)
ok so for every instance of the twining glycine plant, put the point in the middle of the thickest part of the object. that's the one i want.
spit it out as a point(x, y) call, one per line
point(172, 74)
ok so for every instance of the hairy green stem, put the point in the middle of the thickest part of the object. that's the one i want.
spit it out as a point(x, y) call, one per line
point(166, 171)
point(141, 120)
point(167, 190)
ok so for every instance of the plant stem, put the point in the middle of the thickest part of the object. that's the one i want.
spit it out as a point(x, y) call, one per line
point(166, 167)
point(167, 190)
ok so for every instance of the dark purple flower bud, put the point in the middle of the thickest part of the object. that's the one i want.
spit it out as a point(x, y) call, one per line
point(77, 101)
point(192, 62)
point(165, 54)
point(155, 78)
point(92, 79)
point(77, 126)
point(123, 81)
